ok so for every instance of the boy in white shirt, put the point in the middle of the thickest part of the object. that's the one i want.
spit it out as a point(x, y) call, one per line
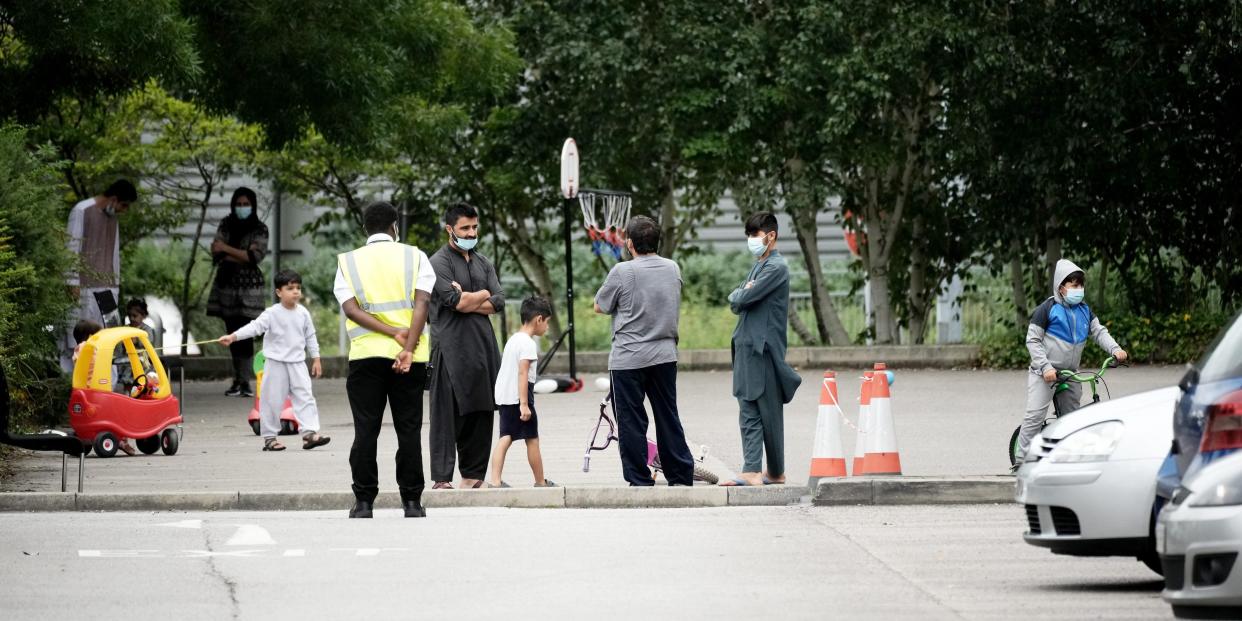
point(290, 332)
point(515, 391)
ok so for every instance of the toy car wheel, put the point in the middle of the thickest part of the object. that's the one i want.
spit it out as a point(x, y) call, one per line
point(105, 444)
point(286, 428)
point(148, 446)
point(170, 441)
point(254, 426)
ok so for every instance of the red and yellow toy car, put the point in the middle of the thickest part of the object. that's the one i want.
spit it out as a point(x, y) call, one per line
point(288, 420)
point(147, 411)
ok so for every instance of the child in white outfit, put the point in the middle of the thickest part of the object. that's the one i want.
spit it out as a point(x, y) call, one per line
point(290, 332)
point(515, 392)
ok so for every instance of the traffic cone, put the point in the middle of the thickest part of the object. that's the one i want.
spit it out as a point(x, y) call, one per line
point(864, 420)
point(881, 457)
point(828, 459)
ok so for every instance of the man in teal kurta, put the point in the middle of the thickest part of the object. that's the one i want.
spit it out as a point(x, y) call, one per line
point(762, 381)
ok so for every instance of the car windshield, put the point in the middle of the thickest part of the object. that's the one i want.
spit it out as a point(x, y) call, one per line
point(1223, 359)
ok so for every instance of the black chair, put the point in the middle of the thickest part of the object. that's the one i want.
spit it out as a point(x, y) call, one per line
point(63, 444)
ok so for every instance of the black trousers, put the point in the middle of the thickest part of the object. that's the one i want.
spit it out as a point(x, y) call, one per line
point(370, 385)
point(658, 384)
point(242, 350)
point(464, 440)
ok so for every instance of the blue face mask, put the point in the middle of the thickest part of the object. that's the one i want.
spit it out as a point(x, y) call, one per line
point(1074, 295)
point(243, 212)
point(757, 245)
point(465, 244)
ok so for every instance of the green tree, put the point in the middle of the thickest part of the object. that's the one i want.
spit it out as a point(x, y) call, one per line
point(183, 155)
point(33, 299)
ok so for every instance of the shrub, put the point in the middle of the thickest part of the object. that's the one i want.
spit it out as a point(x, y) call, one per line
point(34, 302)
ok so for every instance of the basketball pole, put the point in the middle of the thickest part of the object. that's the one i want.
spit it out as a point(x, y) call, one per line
point(569, 288)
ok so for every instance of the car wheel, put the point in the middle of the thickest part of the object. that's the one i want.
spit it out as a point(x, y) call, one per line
point(1013, 445)
point(1151, 556)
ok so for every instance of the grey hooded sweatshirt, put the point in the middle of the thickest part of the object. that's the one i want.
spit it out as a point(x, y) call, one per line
point(1059, 331)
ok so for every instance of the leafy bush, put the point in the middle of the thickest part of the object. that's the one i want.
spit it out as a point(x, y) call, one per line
point(1173, 338)
point(1003, 348)
point(34, 302)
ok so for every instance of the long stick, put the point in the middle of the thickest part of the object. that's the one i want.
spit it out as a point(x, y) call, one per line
point(187, 345)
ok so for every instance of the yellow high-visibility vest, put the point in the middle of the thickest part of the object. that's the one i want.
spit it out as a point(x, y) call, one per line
point(371, 272)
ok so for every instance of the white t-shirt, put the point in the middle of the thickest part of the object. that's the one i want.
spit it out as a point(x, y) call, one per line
point(520, 347)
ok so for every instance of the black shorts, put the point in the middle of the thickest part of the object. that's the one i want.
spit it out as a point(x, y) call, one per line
point(511, 423)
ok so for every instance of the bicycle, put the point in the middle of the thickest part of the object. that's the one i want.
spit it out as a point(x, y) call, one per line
point(701, 473)
point(1064, 378)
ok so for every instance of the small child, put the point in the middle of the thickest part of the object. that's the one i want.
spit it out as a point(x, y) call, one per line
point(1055, 338)
point(83, 330)
point(136, 311)
point(515, 392)
point(290, 333)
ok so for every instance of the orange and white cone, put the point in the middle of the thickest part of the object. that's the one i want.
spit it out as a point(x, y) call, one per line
point(828, 458)
point(882, 457)
point(864, 422)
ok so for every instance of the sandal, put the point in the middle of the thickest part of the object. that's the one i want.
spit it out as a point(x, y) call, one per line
point(271, 444)
point(126, 447)
point(442, 485)
point(502, 485)
point(313, 439)
point(547, 483)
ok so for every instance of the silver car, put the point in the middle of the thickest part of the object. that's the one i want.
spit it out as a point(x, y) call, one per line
point(1088, 482)
point(1199, 536)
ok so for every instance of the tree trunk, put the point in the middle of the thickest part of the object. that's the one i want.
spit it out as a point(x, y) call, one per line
point(1052, 249)
point(802, 209)
point(189, 268)
point(668, 214)
point(800, 328)
point(916, 291)
point(1017, 280)
point(534, 269)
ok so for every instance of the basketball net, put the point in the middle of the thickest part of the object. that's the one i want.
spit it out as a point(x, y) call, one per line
point(604, 215)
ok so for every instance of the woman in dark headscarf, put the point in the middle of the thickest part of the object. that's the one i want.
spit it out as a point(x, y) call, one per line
point(239, 293)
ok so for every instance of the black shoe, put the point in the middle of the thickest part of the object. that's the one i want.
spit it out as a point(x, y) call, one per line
point(245, 390)
point(234, 391)
point(362, 509)
point(413, 509)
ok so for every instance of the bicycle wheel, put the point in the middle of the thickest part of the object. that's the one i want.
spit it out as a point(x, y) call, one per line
point(705, 475)
point(1013, 445)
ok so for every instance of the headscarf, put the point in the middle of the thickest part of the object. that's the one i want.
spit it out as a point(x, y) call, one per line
point(237, 228)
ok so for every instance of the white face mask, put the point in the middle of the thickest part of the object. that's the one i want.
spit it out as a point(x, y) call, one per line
point(110, 209)
point(243, 211)
point(757, 245)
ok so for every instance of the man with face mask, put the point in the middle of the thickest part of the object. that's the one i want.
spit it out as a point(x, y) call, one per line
point(1055, 338)
point(94, 236)
point(464, 356)
point(762, 381)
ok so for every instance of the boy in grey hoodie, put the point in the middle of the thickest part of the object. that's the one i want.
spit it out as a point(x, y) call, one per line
point(1055, 338)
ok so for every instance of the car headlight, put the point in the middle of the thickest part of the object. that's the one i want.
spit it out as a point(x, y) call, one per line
point(1221, 495)
point(1094, 443)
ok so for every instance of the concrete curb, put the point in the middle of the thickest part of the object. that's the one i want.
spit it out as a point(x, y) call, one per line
point(849, 357)
point(914, 491)
point(877, 491)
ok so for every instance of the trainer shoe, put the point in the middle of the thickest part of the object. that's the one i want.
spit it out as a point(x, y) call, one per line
point(234, 391)
point(245, 390)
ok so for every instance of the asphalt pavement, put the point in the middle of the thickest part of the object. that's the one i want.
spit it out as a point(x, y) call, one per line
point(795, 562)
point(948, 422)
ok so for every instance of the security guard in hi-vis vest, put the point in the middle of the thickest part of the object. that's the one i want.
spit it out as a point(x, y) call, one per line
point(384, 288)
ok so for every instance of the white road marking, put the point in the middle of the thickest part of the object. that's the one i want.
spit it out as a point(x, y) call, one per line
point(250, 535)
point(183, 524)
